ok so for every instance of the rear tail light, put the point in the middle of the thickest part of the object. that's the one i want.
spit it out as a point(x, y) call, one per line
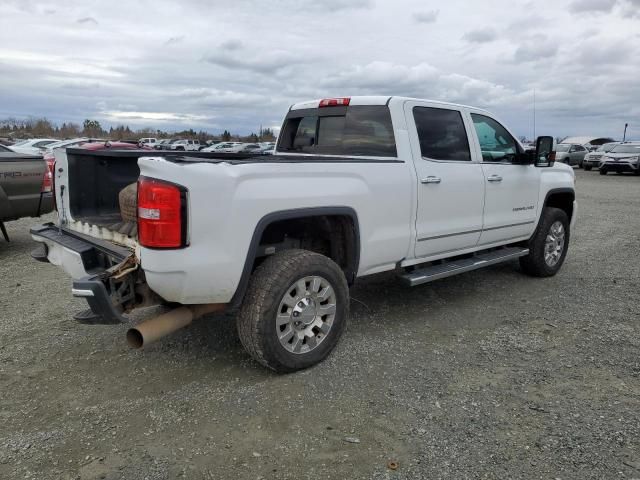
point(47, 179)
point(162, 214)
point(552, 156)
point(335, 102)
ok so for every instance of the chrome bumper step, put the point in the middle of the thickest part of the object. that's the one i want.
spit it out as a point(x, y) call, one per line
point(454, 267)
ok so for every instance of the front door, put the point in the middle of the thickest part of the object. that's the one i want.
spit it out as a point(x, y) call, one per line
point(450, 191)
point(512, 190)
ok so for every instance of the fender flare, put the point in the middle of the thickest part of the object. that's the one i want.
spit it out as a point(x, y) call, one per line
point(296, 213)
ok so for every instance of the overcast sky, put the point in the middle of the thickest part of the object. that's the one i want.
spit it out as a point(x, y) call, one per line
point(239, 64)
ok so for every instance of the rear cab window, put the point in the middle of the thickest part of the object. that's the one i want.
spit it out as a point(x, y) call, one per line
point(356, 130)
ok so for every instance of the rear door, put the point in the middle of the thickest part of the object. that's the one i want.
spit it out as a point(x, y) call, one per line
point(450, 181)
point(511, 198)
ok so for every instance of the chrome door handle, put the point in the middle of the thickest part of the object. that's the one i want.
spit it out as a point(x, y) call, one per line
point(431, 179)
point(494, 178)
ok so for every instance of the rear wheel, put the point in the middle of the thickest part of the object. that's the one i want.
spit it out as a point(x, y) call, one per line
point(548, 246)
point(588, 168)
point(603, 171)
point(294, 311)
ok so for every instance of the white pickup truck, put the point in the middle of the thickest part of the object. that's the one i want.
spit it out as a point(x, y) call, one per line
point(356, 186)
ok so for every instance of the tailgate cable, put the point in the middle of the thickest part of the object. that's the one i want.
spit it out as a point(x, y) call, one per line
point(62, 216)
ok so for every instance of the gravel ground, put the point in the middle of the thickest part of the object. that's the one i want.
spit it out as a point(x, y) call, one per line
point(487, 375)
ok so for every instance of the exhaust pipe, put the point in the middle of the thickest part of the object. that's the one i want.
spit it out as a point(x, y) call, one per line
point(154, 329)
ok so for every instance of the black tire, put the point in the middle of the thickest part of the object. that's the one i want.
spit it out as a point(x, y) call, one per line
point(587, 168)
point(534, 264)
point(256, 321)
point(603, 171)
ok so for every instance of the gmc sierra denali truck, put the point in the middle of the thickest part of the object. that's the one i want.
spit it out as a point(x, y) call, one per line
point(356, 186)
point(25, 187)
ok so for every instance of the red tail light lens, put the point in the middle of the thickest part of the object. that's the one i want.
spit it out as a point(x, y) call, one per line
point(552, 156)
point(162, 210)
point(47, 179)
point(334, 102)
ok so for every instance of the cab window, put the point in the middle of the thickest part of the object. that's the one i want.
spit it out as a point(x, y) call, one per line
point(442, 134)
point(496, 144)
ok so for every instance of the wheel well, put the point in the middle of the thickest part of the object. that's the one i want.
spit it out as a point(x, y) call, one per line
point(562, 200)
point(334, 236)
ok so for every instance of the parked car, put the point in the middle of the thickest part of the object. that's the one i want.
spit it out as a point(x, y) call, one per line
point(163, 144)
point(425, 189)
point(623, 157)
point(570, 153)
point(592, 159)
point(267, 148)
point(25, 187)
point(186, 145)
point(251, 148)
point(147, 142)
point(35, 146)
point(224, 147)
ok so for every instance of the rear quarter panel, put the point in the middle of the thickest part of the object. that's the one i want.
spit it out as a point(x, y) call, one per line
point(226, 202)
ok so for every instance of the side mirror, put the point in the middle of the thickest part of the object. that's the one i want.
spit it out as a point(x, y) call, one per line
point(544, 155)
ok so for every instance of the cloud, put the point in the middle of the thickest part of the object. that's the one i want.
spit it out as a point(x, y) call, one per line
point(174, 40)
point(87, 21)
point(482, 35)
point(582, 6)
point(536, 48)
point(193, 66)
point(426, 17)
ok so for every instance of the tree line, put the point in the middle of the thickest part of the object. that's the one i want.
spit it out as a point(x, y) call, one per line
point(42, 127)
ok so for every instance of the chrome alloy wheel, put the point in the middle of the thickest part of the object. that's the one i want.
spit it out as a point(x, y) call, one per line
point(554, 244)
point(306, 314)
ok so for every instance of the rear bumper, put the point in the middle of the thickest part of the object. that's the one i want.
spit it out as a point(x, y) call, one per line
point(91, 263)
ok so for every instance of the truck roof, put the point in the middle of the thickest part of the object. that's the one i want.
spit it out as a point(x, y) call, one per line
point(374, 100)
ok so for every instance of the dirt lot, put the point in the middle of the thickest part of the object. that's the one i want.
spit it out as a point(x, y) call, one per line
point(487, 375)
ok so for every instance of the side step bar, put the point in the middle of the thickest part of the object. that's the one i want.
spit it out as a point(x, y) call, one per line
point(454, 267)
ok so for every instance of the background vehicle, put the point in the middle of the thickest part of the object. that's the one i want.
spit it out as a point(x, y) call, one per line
point(571, 154)
point(592, 159)
point(624, 157)
point(164, 144)
point(34, 146)
point(25, 187)
point(147, 142)
point(251, 148)
point(357, 186)
point(224, 147)
point(185, 145)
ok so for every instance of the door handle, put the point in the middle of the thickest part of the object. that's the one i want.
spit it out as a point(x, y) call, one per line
point(494, 178)
point(431, 179)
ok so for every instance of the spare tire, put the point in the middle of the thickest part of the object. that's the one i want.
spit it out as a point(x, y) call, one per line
point(128, 198)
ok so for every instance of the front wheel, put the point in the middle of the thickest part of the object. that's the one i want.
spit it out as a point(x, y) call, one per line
point(587, 168)
point(294, 311)
point(548, 246)
point(603, 171)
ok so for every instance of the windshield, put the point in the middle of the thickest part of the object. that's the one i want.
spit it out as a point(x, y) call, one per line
point(562, 147)
point(606, 147)
point(626, 149)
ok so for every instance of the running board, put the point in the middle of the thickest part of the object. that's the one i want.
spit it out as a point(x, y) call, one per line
point(454, 267)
